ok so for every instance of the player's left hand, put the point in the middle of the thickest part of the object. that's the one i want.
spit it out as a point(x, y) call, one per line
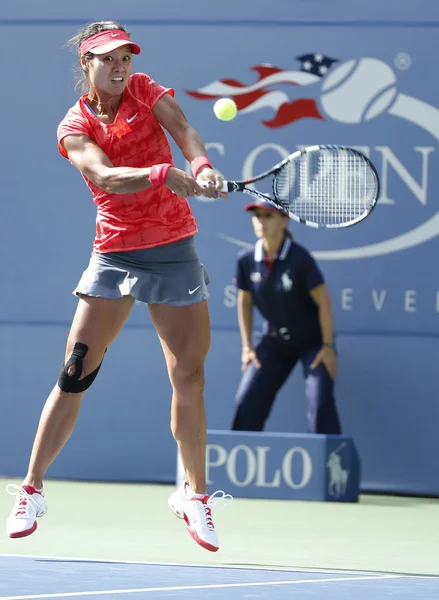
point(212, 183)
point(327, 357)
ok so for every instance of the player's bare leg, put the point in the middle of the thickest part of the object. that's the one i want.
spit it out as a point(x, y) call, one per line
point(185, 337)
point(96, 323)
point(184, 333)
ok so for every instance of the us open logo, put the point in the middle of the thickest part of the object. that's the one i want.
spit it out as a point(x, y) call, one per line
point(349, 92)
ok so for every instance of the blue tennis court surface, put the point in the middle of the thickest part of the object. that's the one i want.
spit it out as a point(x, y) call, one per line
point(26, 578)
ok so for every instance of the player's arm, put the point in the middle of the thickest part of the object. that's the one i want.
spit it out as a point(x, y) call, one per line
point(168, 113)
point(92, 161)
point(245, 321)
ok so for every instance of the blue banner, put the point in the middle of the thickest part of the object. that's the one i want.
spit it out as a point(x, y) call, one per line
point(301, 73)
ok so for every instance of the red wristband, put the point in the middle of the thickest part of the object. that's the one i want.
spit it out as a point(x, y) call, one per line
point(197, 163)
point(158, 173)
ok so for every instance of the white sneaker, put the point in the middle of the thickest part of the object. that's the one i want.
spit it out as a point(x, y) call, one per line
point(196, 510)
point(29, 505)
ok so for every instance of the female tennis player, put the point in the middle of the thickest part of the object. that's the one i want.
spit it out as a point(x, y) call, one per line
point(143, 250)
point(282, 280)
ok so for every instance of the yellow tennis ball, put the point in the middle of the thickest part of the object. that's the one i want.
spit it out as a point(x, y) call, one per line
point(225, 109)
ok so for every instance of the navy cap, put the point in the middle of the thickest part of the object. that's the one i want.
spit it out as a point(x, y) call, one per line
point(262, 204)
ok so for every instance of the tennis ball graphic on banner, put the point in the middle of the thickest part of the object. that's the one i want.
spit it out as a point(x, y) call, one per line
point(225, 109)
point(358, 90)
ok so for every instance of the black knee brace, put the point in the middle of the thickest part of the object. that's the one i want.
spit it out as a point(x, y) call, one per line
point(71, 383)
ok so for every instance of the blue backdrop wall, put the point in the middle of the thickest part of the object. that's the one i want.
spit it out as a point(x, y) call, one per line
point(382, 274)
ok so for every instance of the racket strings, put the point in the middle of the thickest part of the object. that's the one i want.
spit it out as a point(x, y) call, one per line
point(331, 186)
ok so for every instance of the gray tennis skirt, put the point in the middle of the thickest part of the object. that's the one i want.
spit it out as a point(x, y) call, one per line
point(169, 274)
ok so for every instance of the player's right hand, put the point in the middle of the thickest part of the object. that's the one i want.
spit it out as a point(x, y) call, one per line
point(249, 356)
point(182, 184)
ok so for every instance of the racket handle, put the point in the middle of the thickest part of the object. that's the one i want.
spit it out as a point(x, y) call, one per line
point(232, 186)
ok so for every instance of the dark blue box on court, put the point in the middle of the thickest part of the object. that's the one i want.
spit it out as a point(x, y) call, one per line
point(282, 466)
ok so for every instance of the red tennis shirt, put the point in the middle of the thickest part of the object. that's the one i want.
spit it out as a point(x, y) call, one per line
point(149, 218)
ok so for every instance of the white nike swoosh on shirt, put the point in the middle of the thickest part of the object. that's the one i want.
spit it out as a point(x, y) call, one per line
point(132, 118)
point(193, 291)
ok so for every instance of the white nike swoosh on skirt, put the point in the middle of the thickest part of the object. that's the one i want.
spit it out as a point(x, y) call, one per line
point(193, 291)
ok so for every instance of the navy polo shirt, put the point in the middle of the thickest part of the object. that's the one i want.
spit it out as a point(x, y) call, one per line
point(281, 290)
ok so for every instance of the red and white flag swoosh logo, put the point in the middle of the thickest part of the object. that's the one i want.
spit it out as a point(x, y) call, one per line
point(260, 94)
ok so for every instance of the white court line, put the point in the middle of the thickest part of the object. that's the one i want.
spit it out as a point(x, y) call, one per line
point(204, 565)
point(197, 587)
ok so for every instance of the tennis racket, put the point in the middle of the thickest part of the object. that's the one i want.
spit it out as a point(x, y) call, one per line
point(320, 186)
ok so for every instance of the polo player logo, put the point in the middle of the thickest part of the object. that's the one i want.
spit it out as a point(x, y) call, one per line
point(338, 477)
point(256, 277)
point(287, 282)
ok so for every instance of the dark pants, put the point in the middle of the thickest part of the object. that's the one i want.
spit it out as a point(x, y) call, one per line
point(258, 388)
